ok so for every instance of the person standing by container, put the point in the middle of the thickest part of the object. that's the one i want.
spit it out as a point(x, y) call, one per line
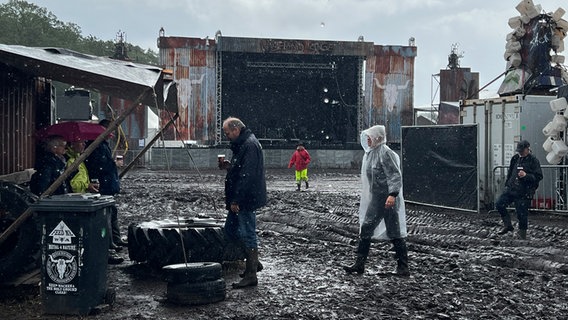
point(80, 182)
point(102, 166)
point(523, 177)
point(381, 211)
point(300, 159)
point(245, 192)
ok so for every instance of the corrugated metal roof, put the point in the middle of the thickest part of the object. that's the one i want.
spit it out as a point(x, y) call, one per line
point(119, 78)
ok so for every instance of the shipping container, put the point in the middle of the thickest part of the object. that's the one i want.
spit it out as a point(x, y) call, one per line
point(502, 122)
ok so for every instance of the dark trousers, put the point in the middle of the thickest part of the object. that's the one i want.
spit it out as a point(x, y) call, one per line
point(521, 207)
point(376, 212)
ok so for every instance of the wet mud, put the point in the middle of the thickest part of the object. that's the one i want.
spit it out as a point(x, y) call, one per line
point(460, 268)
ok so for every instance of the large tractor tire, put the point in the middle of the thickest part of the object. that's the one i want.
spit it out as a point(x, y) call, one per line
point(20, 252)
point(167, 242)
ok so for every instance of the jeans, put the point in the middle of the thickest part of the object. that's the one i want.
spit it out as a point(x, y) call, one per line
point(242, 227)
point(521, 206)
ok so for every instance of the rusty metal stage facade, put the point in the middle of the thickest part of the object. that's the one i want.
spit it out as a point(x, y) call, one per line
point(322, 93)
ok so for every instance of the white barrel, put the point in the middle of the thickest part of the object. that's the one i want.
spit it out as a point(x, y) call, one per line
point(515, 22)
point(557, 15)
point(547, 145)
point(557, 58)
point(525, 19)
point(558, 104)
point(533, 11)
point(549, 130)
point(516, 59)
point(522, 7)
point(559, 122)
point(559, 148)
point(513, 46)
point(552, 158)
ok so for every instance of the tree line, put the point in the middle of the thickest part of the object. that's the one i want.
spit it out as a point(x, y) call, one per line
point(27, 24)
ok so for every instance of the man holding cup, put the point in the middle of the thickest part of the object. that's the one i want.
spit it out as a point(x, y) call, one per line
point(245, 192)
point(523, 176)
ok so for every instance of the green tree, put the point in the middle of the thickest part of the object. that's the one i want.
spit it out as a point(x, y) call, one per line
point(27, 24)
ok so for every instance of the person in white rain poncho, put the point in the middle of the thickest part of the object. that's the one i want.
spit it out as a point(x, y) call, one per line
point(381, 212)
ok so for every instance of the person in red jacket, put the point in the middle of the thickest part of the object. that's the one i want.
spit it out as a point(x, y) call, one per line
point(301, 159)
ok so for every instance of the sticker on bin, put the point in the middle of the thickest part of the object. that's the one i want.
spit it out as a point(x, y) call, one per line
point(61, 267)
point(62, 234)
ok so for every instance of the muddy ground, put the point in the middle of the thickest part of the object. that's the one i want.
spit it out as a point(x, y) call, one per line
point(461, 269)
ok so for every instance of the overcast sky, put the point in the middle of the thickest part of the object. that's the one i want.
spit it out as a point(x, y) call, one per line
point(478, 27)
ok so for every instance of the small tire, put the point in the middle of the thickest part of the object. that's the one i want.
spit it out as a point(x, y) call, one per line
point(196, 293)
point(192, 272)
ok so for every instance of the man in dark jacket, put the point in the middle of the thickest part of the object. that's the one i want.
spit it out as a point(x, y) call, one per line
point(100, 165)
point(523, 176)
point(245, 192)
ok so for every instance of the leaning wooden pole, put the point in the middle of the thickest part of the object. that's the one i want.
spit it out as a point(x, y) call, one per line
point(113, 125)
point(148, 146)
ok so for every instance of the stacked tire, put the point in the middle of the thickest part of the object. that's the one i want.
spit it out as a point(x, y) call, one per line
point(20, 252)
point(194, 283)
point(165, 242)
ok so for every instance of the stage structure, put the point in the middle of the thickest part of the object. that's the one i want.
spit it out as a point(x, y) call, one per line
point(322, 93)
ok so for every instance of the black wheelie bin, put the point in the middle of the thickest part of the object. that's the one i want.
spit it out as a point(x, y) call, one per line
point(74, 252)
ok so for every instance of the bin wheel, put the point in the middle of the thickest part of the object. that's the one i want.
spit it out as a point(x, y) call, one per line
point(110, 297)
point(159, 243)
point(192, 272)
point(20, 252)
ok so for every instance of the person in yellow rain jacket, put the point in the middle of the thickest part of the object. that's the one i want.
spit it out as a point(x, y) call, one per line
point(80, 182)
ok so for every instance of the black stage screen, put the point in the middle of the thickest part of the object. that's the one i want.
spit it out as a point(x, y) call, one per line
point(284, 98)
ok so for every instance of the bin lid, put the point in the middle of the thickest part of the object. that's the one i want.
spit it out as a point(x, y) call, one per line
point(82, 202)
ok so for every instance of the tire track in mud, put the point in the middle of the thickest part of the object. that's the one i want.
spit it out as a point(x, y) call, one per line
point(465, 238)
point(472, 238)
point(326, 213)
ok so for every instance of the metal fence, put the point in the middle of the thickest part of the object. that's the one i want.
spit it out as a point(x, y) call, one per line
point(551, 194)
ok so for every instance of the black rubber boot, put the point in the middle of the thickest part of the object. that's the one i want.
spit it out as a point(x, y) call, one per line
point(250, 279)
point(522, 234)
point(116, 240)
point(113, 258)
point(299, 187)
point(362, 253)
point(401, 255)
point(307, 185)
point(507, 225)
point(259, 267)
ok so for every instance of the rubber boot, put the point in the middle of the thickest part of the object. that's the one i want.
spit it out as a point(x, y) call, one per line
point(507, 225)
point(116, 239)
point(401, 255)
point(299, 186)
point(113, 258)
point(307, 185)
point(259, 268)
point(250, 279)
point(522, 234)
point(362, 253)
